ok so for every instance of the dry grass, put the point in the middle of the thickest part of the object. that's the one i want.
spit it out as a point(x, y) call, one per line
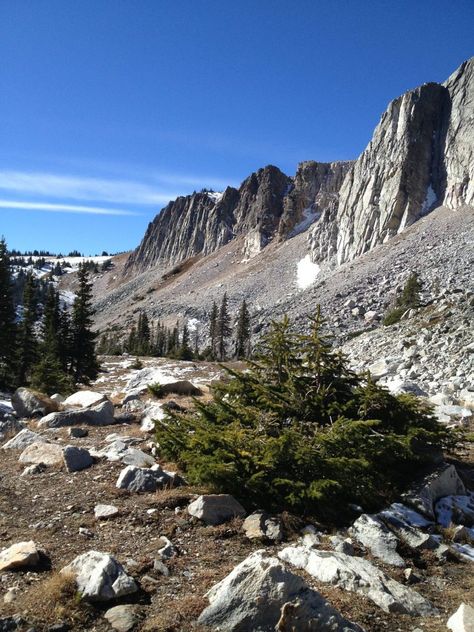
point(55, 599)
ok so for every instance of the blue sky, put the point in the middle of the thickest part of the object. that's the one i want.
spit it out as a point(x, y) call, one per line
point(109, 108)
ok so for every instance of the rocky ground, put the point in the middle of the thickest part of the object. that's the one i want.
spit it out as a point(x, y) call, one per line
point(169, 551)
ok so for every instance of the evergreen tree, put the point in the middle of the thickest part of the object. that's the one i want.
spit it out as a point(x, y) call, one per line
point(7, 321)
point(223, 329)
point(185, 351)
point(213, 330)
point(27, 342)
point(242, 344)
point(143, 335)
point(84, 364)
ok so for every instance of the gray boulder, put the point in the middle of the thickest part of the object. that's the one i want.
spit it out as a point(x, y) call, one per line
point(100, 577)
point(122, 618)
point(23, 439)
point(76, 459)
point(216, 508)
point(357, 574)
point(462, 620)
point(100, 415)
point(29, 403)
point(261, 595)
point(19, 555)
point(139, 479)
point(455, 509)
point(262, 526)
point(373, 534)
point(444, 481)
point(40, 452)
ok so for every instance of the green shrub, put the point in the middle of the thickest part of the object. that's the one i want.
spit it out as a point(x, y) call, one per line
point(300, 432)
point(408, 299)
point(155, 389)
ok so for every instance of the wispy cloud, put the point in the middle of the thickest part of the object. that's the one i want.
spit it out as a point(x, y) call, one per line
point(63, 208)
point(83, 188)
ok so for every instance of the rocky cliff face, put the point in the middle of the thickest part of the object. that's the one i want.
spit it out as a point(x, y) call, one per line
point(268, 205)
point(420, 157)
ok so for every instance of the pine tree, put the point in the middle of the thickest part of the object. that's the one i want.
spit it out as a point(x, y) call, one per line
point(213, 330)
point(242, 345)
point(185, 352)
point(27, 342)
point(143, 335)
point(223, 329)
point(7, 321)
point(84, 366)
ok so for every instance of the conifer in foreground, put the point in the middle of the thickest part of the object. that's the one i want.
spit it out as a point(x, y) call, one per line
point(301, 432)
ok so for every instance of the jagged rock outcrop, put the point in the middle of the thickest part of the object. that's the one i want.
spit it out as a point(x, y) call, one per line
point(420, 157)
point(267, 205)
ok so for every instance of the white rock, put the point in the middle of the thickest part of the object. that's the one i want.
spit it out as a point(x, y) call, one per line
point(261, 595)
point(462, 620)
point(100, 577)
point(39, 452)
point(20, 555)
point(102, 512)
point(23, 439)
point(215, 509)
point(358, 575)
point(373, 534)
point(83, 399)
point(455, 509)
point(444, 482)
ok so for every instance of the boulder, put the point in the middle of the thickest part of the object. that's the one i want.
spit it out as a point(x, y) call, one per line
point(357, 574)
point(23, 439)
point(444, 481)
point(462, 620)
point(262, 526)
point(76, 459)
point(466, 398)
point(455, 510)
point(20, 555)
point(30, 403)
point(118, 450)
point(374, 535)
point(77, 433)
point(122, 618)
point(261, 595)
point(149, 415)
point(84, 399)
point(100, 415)
point(103, 512)
point(39, 452)
point(413, 536)
point(215, 509)
point(139, 479)
point(100, 577)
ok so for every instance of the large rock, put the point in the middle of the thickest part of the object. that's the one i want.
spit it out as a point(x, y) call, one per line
point(215, 509)
point(30, 403)
point(261, 595)
point(100, 415)
point(462, 620)
point(23, 439)
point(357, 574)
point(122, 618)
point(119, 450)
point(414, 537)
point(76, 459)
point(84, 399)
point(455, 510)
point(373, 534)
point(262, 526)
point(100, 577)
point(20, 555)
point(47, 453)
point(139, 479)
point(443, 482)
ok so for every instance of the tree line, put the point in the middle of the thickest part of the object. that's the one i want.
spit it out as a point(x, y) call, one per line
point(227, 339)
point(43, 344)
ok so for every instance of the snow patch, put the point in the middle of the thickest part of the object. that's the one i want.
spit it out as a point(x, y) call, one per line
point(215, 195)
point(430, 199)
point(309, 216)
point(193, 324)
point(306, 272)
